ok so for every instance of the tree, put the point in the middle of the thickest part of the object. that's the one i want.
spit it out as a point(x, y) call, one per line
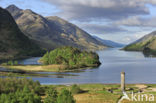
point(15, 62)
point(45, 59)
point(20, 97)
point(51, 96)
point(10, 63)
point(71, 57)
point(13, 90)
point(65, 97)
point(75, 89)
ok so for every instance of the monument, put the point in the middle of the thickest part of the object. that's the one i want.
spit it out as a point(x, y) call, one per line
point(122, 81)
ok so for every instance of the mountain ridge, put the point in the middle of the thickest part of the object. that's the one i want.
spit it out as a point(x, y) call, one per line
point(53, 31)
point(13, 43)
point(146, 44)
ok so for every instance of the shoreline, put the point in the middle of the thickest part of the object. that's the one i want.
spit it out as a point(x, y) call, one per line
point(118, 84)
point(47, 68)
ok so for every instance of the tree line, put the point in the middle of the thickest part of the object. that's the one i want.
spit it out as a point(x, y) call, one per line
point(22, 90)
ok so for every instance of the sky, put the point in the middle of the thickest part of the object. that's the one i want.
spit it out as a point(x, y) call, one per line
point(122, 21)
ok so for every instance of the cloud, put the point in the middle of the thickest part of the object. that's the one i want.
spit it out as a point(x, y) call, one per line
point(132, 38)
point(84, 10)
point(115, 16)
point(138, 21)
point(102, 29)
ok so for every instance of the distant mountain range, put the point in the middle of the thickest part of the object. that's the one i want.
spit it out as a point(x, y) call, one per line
point(109, 42)
point(13, 43)
point(52, 32)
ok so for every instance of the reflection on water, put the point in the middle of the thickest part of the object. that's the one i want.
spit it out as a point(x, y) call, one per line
point(138, 69)
point(30, 61)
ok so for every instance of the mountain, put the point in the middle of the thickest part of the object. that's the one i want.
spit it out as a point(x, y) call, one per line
point(109, 42)
point(13, 43)
point(147, 44)
point(148, 41)
point(52, 32)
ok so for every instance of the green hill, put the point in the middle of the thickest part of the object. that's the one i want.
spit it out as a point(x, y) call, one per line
point(13, 43)
point(147, 44)
point(72, 57)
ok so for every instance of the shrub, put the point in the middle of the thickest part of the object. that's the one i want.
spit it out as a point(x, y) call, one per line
point(65, 97)
point(51, 96)
point(76, 89)
point(15, 62)
point(10, 63)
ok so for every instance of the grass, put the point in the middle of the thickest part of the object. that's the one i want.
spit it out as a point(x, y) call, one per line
point(93, 93)
point(134, 47)
point(38, 68)
point(24, 74)
point(99, 93)
point(102, 93)
point(45, 68)
point(33, 74)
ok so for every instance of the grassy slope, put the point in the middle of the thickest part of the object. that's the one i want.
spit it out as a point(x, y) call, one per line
point(148, 47)
point(148, 41)
point(141, 45)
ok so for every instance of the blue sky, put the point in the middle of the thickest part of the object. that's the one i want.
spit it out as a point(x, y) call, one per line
point(119, 20)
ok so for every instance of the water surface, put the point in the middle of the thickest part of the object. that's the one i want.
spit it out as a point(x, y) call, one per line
point(138, 69)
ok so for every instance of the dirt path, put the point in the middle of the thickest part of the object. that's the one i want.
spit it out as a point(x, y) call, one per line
point(141, 86)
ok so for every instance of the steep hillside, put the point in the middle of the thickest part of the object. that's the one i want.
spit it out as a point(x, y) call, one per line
point(13, 43)
point(52, 32)
point(148, 41)
point(147, 44)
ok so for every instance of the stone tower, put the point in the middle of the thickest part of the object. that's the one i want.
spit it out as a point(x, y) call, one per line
point(122, 81)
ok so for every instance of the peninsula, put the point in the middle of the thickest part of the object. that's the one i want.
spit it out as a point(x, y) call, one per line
point(61, 59)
